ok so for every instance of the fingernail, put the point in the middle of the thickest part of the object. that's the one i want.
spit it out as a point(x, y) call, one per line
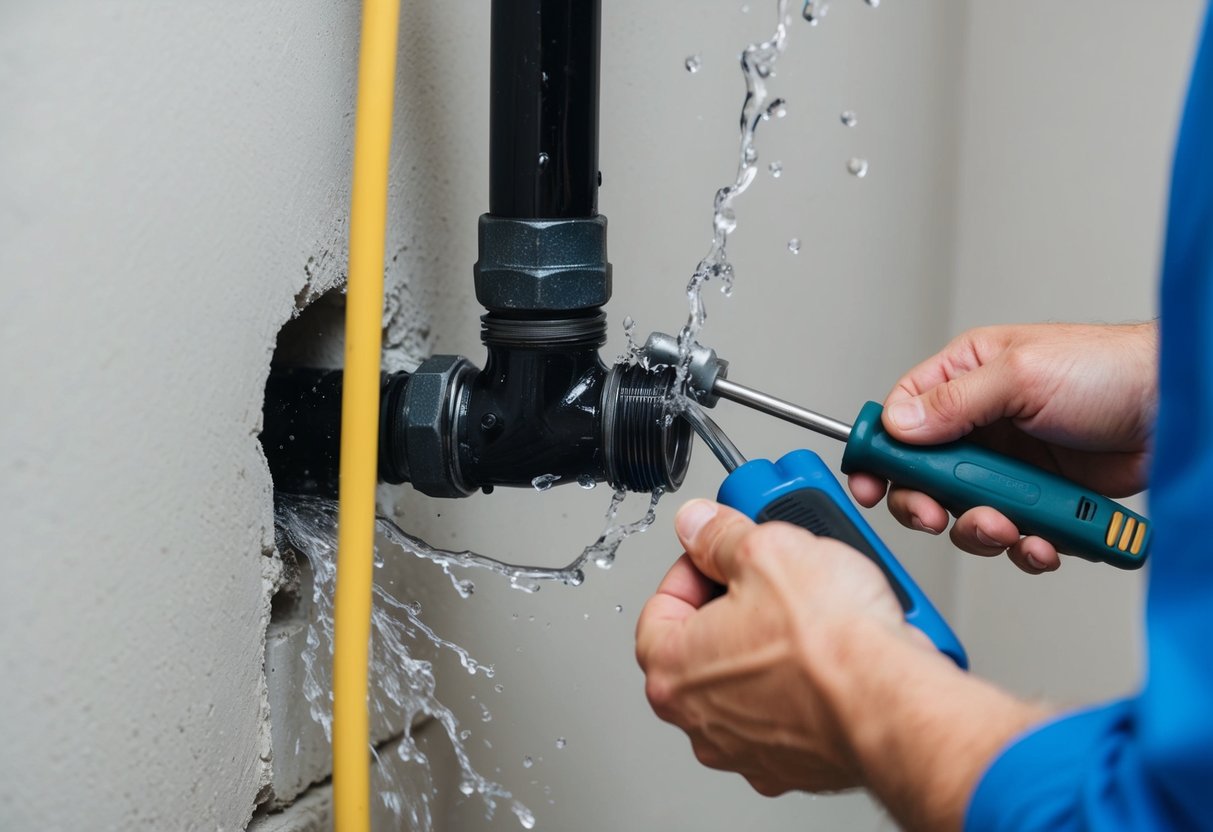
point(1036, 562)
point(916, 522)
point(692, 517)
point(985, 540)
point(908, 415)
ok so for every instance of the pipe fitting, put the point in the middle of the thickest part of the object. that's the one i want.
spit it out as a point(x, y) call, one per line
point(550, 265)
point(429, 408)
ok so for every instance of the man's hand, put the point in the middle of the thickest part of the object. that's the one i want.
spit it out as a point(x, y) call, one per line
point(804, 674)
point(1078, 400)
point(736, 673)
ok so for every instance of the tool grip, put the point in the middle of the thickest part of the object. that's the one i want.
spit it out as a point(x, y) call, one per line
point(800, 489)
point(962, 475)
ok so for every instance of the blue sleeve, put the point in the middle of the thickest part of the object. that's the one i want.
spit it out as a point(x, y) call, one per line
point(1146, 763)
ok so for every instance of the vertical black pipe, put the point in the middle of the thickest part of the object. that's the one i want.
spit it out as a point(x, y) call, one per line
point(543, 114)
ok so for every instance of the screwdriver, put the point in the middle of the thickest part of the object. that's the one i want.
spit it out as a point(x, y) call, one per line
point(959, 475)
point(799, 489)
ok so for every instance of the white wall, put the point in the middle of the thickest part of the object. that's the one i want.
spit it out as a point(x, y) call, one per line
point(171, 178)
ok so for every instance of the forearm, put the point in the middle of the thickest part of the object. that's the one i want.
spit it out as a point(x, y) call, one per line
point(921, 731)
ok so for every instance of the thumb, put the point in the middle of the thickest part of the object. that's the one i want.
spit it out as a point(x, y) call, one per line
point(711, 534)
point(951, 409)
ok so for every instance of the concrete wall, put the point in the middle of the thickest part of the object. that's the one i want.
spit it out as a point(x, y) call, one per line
point(174, 180)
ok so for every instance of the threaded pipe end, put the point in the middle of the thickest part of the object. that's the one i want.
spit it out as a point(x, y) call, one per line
point(642, 448)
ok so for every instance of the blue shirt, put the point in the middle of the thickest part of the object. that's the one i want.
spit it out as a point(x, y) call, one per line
point(1147, 762)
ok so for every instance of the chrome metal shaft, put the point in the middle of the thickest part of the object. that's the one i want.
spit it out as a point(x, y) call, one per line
point(781, 409)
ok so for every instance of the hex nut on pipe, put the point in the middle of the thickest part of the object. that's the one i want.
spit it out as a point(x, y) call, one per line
point(430, 410)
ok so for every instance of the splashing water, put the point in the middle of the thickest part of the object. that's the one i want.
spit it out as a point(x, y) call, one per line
point(404, 689)
point(528, 578)
point(544, 482)
point(758, 63)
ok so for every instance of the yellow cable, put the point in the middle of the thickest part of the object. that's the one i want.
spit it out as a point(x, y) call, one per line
point(360, 417)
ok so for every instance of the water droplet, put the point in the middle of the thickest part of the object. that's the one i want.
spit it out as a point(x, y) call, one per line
point(776, 109)
point(848, 118)
point(485, 714)
point(466, 787)
point(619, 608)
point(815, 10)
point(857, 167)
point(629, 325)
point(873, 3)
point(794, 245)
point(586, 616)
point(544, 482)
point(500, 688)
point(543, 160)
point(514, 617)
point(561, 742)
point(776, 169)
point(587, 481)
point(524, 815)
point(527, 762)
point(464, 734)
point(726, 221)
point(465, 589)
point(692, 63)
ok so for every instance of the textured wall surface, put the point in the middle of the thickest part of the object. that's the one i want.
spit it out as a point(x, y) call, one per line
point(167, 173)
point(173, 182)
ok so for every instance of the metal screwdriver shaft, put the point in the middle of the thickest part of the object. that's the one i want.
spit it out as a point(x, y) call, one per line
point(781, 409)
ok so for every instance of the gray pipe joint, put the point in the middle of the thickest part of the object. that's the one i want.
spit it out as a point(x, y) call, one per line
point(705, 368)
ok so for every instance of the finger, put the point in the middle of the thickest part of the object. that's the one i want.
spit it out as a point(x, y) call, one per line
point(963, 354)
point(984, 531)
point(687, 584)
point(1035, 555)
point(867, 490)
point(661, 617)
point(711, 534)
point(916, 510)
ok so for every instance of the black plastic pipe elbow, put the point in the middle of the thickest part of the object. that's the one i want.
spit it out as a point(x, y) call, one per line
point(537, 410)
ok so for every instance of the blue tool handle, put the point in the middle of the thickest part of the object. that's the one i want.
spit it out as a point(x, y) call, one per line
point(962, 475)
point(800, 489)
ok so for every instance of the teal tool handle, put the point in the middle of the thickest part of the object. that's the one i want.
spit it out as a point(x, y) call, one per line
point(962, 475)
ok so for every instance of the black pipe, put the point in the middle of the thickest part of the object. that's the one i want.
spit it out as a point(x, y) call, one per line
point(543, 109)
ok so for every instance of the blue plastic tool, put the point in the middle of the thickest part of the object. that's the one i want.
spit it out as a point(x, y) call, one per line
point(800, 489)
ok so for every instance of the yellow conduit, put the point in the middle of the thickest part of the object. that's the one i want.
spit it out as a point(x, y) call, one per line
point(360, 416)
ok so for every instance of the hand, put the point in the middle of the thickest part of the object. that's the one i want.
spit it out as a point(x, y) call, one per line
point(1078, 400)
point(736, 672)
point(804, 674)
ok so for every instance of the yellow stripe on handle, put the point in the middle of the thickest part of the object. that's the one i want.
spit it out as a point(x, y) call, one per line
point(1114, 528)
point(360, 417)
point(1138, 539)
point(1127, 534)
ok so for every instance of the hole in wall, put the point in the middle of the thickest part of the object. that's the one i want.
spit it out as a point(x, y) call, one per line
point(307, 352)
point(302, 404)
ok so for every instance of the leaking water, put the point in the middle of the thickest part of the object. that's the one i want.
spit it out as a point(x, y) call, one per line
point(406, 689)
point(758, 64)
